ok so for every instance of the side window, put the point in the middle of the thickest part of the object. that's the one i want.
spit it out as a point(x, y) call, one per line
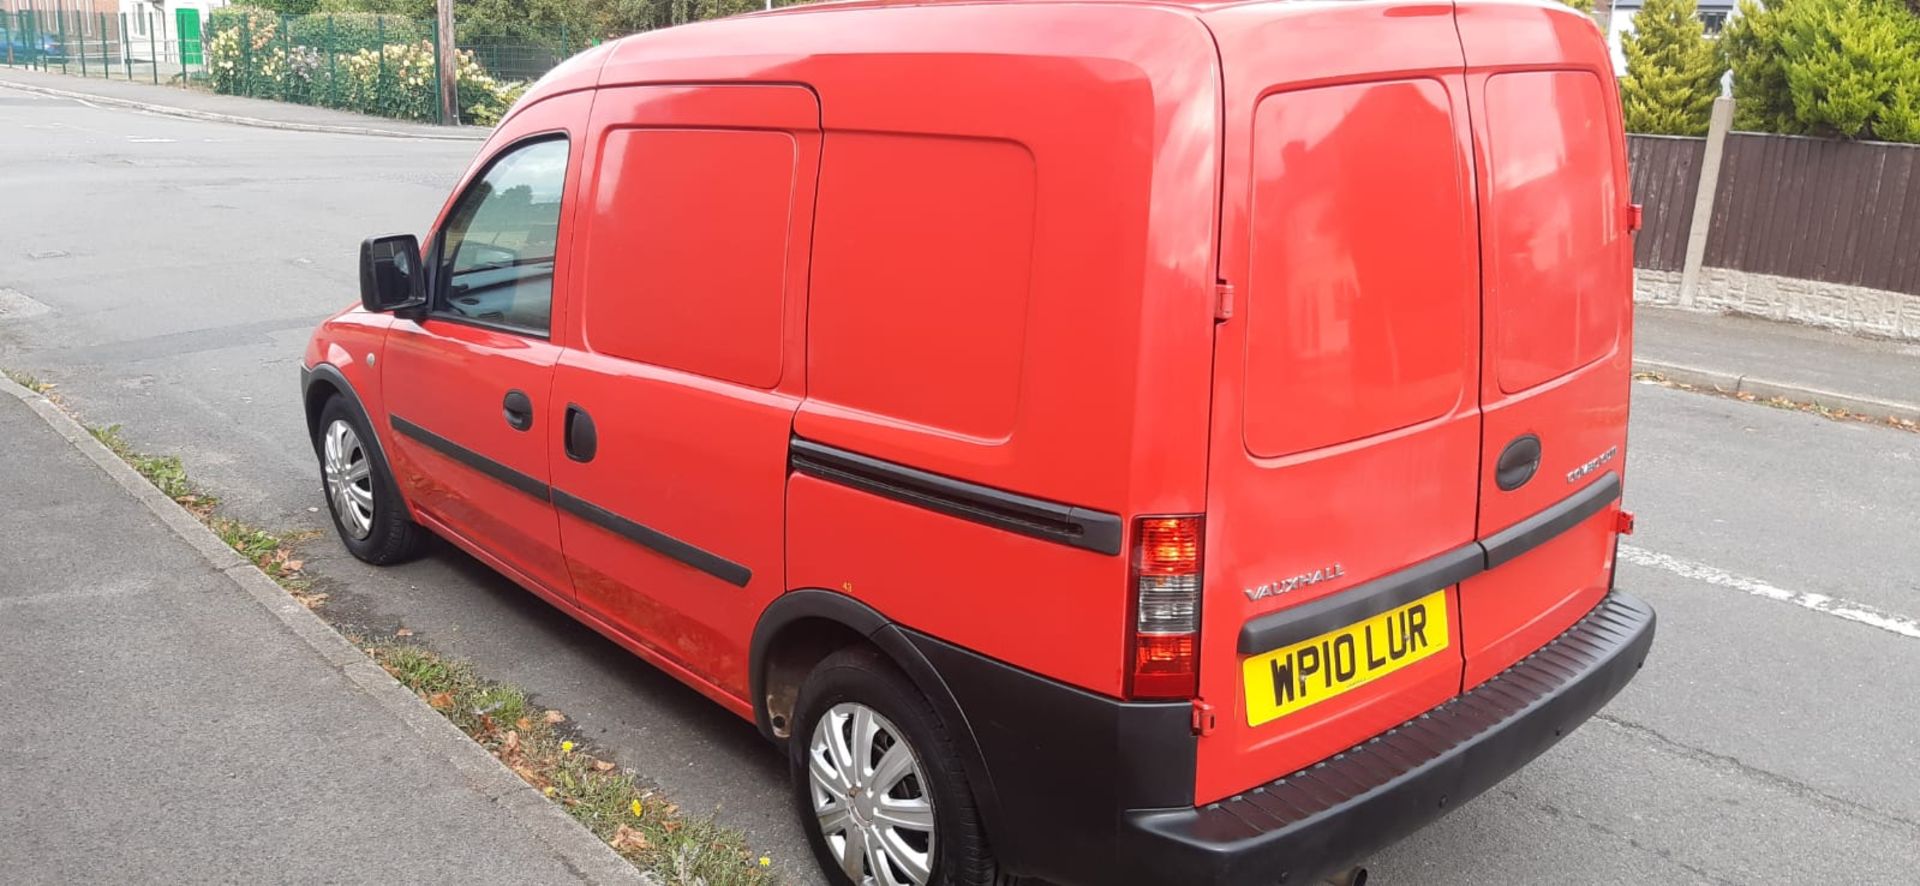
point(496, 249)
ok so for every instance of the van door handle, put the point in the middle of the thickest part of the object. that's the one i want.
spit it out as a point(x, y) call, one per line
point(1517, 463)
point(518, 409)
point(581, 439)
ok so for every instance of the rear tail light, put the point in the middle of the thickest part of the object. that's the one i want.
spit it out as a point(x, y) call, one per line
point(1164, 647)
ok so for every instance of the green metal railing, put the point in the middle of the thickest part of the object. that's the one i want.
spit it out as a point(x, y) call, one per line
point(365, 62)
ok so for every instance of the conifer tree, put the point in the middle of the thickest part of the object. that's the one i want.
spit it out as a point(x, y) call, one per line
point(1673, 70)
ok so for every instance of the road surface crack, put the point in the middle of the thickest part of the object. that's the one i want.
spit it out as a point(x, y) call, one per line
point(1843, 805)
point(1664, 854)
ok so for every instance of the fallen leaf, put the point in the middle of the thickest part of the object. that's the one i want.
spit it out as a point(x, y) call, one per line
point(625, 837)
point(556, 717)
point(512, 745)
point(670, 825)
point(603, 765)
point(523, 724)
point(403, 632)
point(440, 701)
point(295, 565)
point(529, 776)
point(486, 725)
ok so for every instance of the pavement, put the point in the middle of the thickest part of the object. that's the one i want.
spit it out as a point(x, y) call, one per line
point(1769, 739)
point(1738, 354)
point(196, 104)
point(174, 716)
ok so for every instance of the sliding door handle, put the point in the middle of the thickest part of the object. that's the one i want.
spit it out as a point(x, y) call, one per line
point(582, 441)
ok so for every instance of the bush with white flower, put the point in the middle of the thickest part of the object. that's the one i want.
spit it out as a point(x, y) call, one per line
point(252, 52)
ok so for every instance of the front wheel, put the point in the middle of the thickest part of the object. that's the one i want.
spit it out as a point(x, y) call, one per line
point(877, 782)
point(365, 502)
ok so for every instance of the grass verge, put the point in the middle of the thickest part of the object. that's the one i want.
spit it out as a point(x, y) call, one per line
point(1834, 413)
point(26, 380)
point(644, 827)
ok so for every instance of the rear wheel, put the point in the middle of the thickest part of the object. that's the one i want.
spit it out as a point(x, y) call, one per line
point(877, 782)
point(361, 495)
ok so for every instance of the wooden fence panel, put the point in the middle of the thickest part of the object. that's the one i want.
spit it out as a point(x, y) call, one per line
point(1665, 175)
point(1817, 209)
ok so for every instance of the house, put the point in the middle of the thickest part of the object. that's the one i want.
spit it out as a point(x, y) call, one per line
point(155, 27)
point(1713, 13)
point(114, 32)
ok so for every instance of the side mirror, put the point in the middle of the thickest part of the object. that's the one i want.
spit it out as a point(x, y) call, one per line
point(391, 275)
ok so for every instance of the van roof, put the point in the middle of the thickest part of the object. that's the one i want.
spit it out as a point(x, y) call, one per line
point(744, 36)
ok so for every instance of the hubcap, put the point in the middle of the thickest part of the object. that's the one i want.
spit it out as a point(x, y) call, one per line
point(349, 479)
point(871, 798)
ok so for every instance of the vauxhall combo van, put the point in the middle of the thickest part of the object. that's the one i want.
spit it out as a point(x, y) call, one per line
point(1100, 442)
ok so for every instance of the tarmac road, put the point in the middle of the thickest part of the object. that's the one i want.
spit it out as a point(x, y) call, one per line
point(165, 274)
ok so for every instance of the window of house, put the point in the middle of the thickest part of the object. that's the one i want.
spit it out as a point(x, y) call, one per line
point(496, 250)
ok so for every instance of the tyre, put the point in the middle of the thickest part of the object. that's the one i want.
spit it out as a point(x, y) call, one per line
point(361, 495)
point(877, 782)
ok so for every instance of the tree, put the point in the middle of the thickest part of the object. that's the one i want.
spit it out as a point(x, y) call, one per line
point(1847, 68)
point(1673, 70)
point(1585, 6)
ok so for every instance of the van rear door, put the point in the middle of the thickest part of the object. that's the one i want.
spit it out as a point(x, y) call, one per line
point(1345, 442)
point(1557, 266)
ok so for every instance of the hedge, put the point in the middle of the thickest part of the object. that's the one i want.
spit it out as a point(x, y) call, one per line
point(257, 53)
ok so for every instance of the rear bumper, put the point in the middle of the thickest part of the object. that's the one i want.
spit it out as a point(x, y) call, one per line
point(1334, 813)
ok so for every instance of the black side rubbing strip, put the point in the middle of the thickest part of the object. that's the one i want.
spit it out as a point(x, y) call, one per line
point(472, 459)
point(654, 540)
point(1290, 626)
point(1524, 536)
point(1083, 528)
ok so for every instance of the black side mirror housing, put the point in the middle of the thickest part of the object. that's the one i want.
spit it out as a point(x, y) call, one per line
point(392, 277)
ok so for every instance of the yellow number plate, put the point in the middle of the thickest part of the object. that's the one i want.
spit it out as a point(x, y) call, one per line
point(1312, 671)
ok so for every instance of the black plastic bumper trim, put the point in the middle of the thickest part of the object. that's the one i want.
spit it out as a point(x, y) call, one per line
point(1324, 817)
point(472, 459)
point(654, 540)
point(1069, 525)
point(1064, 762)
point(1508, 544)
point(1288, 626)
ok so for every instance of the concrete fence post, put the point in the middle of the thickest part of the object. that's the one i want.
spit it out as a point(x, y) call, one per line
point(1709, 186)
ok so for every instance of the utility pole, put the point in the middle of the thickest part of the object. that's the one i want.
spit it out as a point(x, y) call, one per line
point(449, 65)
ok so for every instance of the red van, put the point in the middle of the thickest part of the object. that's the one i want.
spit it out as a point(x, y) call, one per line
point(1105, 442)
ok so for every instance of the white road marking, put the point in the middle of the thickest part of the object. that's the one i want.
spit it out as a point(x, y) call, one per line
point(1821, 603)
point(148, 140)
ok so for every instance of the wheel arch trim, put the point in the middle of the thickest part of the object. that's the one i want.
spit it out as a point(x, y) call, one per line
point(818, 604)
point(332, 376)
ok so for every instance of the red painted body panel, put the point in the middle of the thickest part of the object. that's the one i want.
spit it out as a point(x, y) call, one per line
point(1321, 228)
point(1558, 260)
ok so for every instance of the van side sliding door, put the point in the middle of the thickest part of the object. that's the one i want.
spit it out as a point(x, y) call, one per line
point(672, 410)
